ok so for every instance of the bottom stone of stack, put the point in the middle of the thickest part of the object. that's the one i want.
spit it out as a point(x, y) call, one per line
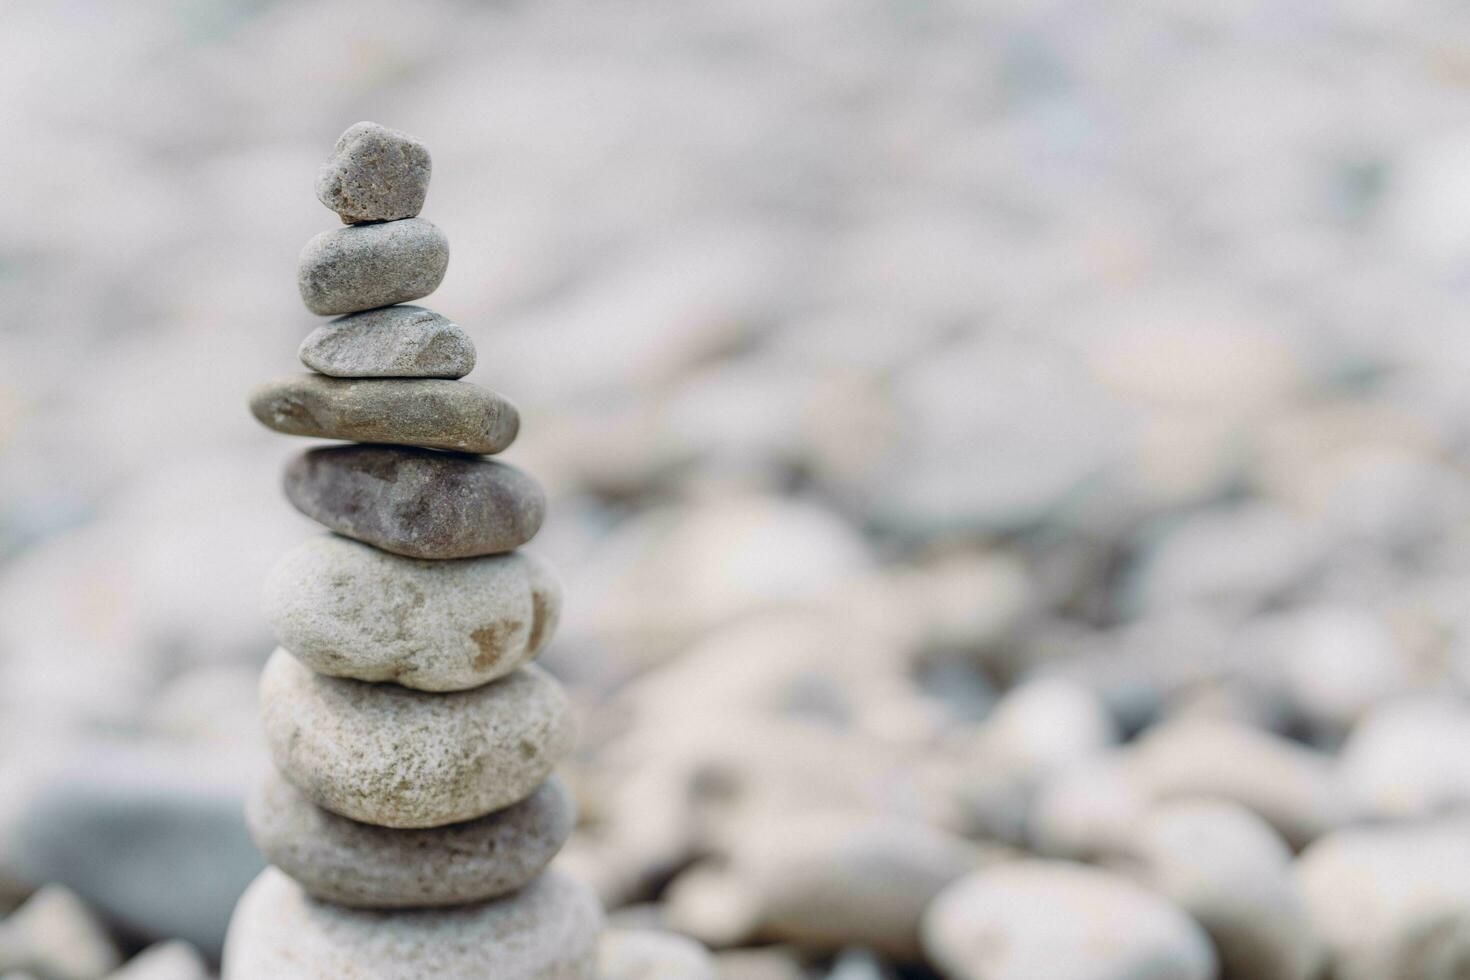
point(546, 931)
point(356, 864)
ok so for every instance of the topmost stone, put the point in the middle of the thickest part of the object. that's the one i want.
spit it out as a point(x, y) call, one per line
point(375, 174)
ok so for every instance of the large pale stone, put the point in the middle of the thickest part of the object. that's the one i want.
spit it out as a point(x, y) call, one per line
point(362, 866)
point(1062, 921)
point(428, 412)
point(385, 755)
point(375, 174)
point(346, 609)
point(546, 931)
point(417, 502)
point(364, 266)
point(391, 342)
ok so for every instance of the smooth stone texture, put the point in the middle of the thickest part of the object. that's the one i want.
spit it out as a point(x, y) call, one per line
point(1392, 903)
point(648, 954)
point(346, 609)
point(366, 266)
point(152, 835)
point(392, 342)
point(375, 174)
point(427, 412)
point(166, 961)
point(1232, 873)
point(388, 756)
point(416, 502)
point(362, 866)
point(547, 931)
point(56, 936)
point(1062, 921)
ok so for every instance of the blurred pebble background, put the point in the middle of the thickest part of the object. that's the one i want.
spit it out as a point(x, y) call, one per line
point(974, 430)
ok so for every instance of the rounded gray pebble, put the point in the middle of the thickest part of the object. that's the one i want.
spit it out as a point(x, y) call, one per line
point(375, 174)
point(391, 342)
point(388, 756)
point(365, 266)
point(417, 502)
point(546, 931)
point(362, 866)
point(426, 412)
point(347, 609)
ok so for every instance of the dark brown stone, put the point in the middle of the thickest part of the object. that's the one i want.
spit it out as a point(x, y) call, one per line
point(417, 502)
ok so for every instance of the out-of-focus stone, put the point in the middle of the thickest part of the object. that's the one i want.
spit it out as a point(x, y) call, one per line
point(1230, 871)
point(365, 266)
point(1087, 813)
point(56, 936)
point(1292, 787)
point(645, 954)
point(375, 174)
point(346, 609)
point(415, 502)
point(392, 757)
point(174, 960)
point(1406, 760)
point(427, 412)
point(391, 342)
point(1062, 921)
point(1391, 903)
point(546, 931)
point(759, 963)
point(361, 866)
point(826, 880)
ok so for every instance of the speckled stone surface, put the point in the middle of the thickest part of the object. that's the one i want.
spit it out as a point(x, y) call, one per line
point(375, 174)
point(346, 609)
point(428, 412)
point(359, 865)
point(417, 502)
point(391, 342)
point(546, 931)
point(386, 755)
point(364, 266)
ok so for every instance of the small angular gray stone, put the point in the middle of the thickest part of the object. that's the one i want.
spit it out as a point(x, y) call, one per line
point(546, 931)
point(362, 866)
point(392, 757)
point(346, 609)
point(365, 266)
point(375, 174)
point(417, 502)
point(391, 342)
point(427, 412)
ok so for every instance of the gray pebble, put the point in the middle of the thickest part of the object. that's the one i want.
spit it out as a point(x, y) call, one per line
point(546, 931)
point(364, 266)
point(362, 866)
point(346, 609)
point(417, 502)
point(388, 756)
point(650, 954)
point(375, 174)
point(427, 412)
point(391, 342)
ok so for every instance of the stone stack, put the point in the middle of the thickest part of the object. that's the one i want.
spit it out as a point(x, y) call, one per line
point(413, 811)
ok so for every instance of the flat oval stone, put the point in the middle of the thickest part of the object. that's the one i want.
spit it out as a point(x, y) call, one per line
point(375, 174)
point(417, 502)
point(546, 931)
point(362, 866)
point(363, 266)
point(427, 412)
point(391, 342)
point(388, 756)
point(349, 610)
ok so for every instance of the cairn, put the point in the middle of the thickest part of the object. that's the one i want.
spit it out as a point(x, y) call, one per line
point(413, 811)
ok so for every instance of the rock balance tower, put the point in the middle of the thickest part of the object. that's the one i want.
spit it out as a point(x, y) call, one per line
point(412, 812)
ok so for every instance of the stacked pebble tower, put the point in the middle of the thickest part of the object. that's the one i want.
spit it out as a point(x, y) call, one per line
point(412, 812)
